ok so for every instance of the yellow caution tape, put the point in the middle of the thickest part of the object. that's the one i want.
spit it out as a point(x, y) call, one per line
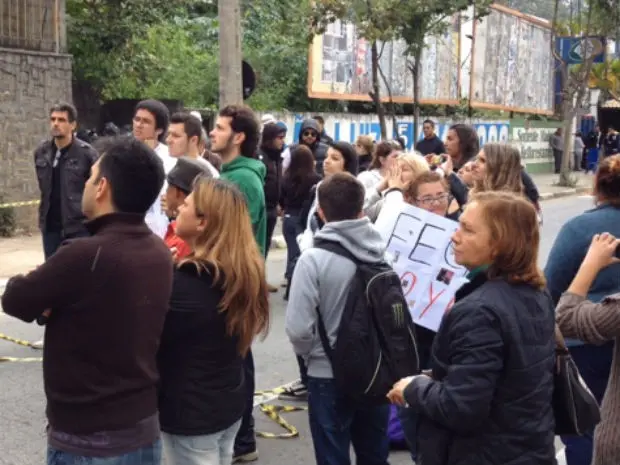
point(19, 204)
point(21, 359)
point(274, 412)
point(20, 342)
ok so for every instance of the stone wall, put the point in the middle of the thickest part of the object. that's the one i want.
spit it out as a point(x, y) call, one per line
point(30, 82)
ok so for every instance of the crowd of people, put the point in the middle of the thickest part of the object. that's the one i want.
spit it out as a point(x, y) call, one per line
point(155, 246)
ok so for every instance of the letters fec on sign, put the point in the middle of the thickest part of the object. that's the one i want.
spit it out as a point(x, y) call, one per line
point(420, 249)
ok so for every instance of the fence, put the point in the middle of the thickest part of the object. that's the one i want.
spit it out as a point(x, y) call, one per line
point(32, 25)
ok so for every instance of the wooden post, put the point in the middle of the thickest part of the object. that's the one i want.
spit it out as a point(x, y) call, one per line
point(229, 14)
point(57, 26)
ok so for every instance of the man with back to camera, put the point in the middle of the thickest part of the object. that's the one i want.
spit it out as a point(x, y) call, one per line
point(150, 124)
point(109, 295)
point(235, 139)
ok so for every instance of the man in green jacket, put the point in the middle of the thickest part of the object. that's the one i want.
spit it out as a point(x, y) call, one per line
point(235, 139)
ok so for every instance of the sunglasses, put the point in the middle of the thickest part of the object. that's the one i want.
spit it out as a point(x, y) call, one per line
point(310, 134)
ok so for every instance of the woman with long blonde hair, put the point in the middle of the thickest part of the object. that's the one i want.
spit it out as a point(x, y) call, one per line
point(219, 303)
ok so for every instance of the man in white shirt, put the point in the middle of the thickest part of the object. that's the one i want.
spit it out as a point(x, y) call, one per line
point(150, 124)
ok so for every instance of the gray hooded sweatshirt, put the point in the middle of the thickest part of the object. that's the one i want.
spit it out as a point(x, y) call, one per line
point(322, 279)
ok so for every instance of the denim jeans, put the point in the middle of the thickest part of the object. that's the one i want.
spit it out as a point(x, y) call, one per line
point(594, 363)
point(51, 242)
point(53, 239)
point(335, 424)
point(245, 442)
point(209, 449)
point(148, 455)
point(291, 229)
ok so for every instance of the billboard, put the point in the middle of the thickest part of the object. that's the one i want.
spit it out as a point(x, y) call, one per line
point(501, 62)
point(339, 67)
point(511, 63)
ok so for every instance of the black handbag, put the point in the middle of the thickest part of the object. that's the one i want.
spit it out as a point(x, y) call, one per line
point(575, 408)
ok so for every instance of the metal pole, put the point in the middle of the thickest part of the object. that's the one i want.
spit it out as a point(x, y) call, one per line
point(229, 14)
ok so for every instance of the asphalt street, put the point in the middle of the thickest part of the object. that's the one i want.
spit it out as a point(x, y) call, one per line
point(22, 401)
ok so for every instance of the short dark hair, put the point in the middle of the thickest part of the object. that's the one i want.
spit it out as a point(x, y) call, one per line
point(191, 125)
point(319, 119)
point(243, 120)
point(159, 111)
point(351, 162)
point(429, 121)
point(341, 197)
point(65, 108)
point(134, 171)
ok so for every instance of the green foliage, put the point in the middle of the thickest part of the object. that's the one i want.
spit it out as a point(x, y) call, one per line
point(164, 62)
point(8, 221)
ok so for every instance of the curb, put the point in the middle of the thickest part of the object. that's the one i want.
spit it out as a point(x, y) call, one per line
point(565, 193)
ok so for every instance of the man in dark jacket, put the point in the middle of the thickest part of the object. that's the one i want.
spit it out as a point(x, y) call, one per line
point(270, 153)
point(431, 144)
point(310, 135)
point(324, 137)
point(62, 165)
point(109, 294)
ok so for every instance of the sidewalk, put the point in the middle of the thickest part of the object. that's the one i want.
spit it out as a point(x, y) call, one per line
point(22, 254)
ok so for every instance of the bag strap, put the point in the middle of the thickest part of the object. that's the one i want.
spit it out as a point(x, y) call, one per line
point(560, 344)
point(338, 249)
point(335, 247)
point(327, 347)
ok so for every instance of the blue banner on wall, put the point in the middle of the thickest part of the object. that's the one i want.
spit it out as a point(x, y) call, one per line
point(349, 131)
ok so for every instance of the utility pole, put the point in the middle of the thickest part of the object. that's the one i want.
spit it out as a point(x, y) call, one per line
point(231, 86)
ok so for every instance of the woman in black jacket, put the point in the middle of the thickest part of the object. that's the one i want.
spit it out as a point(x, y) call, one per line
point(488, 398)
point(219, 303)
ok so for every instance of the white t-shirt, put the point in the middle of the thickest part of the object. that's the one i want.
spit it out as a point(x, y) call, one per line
point(155, 217)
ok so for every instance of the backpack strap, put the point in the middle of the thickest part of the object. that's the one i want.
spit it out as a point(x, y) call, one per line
point(338, 249)
point(335, 247)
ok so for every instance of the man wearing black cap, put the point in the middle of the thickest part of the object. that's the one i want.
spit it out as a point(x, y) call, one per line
point(180, 181)
point(270, 153)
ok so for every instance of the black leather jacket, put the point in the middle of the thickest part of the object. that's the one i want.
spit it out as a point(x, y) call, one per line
point(74, 172)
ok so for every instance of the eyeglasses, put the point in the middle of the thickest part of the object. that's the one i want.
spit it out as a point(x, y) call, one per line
point(310, 134)
point(431, 200)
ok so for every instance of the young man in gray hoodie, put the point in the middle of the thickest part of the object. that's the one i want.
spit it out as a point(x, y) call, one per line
point(321, 281)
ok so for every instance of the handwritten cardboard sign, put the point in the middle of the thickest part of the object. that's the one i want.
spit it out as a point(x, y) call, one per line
point(420, 249)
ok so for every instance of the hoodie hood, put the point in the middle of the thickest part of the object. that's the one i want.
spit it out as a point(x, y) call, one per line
point(309, 124)
point(245, 163)
point(357, 236)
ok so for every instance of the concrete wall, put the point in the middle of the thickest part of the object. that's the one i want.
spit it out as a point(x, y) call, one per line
point(30, 82)
point(532, 139)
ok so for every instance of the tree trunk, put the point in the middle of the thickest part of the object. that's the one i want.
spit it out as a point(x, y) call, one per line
point(376, 89)
point(415, 72)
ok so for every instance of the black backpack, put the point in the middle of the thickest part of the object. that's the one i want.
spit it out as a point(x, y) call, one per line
point(375, 345)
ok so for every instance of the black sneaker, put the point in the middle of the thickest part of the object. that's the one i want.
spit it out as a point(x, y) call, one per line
point(296, 391)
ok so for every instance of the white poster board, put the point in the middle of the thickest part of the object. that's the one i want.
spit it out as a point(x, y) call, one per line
point(420, 249)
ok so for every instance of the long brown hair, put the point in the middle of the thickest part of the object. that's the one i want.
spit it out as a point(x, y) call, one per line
point(227, 249)
point(607, 181)
point(382, 150)
point(513, 223)
point(503, 169)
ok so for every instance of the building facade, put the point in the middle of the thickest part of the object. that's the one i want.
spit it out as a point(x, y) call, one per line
point(35, 73)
